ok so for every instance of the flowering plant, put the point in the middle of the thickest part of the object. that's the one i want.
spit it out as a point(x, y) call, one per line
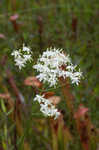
point(52, 65)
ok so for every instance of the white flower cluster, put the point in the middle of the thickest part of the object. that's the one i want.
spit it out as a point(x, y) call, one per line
point(47, 108)
point(54, 64)
point(21, 56)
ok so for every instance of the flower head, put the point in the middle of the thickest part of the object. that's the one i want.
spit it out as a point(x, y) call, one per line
point(21, 56)
point(54, 64)
point(47, 108)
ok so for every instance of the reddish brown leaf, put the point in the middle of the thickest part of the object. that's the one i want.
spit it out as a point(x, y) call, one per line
point(81, 111)
point(54, 99)
point(14, 17)
point(2, 36)
point(32, 81)
point(5, 95)
point(48, 94)
point(83, 125)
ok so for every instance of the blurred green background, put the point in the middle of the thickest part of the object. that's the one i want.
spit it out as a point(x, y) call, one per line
point(72, 25)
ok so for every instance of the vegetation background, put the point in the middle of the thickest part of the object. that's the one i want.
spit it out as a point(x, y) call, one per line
point(72, 25)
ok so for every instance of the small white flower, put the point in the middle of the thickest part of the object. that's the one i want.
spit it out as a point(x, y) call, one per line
point(26, 49)
point(20, 62)
point(50, 64)
point(15, 53)
point(47, 108)
point(27, 57)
